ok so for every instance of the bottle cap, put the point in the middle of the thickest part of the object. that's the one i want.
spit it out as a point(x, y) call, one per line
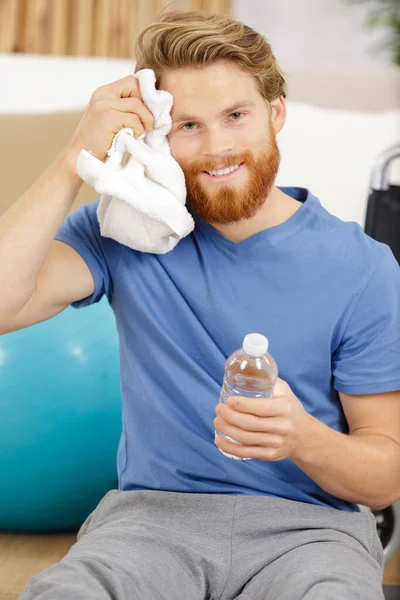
point(255, 344)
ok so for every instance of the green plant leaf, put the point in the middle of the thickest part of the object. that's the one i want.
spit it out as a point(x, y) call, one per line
point(384, 14)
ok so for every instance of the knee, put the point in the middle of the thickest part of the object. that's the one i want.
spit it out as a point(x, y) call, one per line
point(50, 584)
point(33, 590)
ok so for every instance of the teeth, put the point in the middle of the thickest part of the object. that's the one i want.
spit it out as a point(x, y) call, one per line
point(224, 171)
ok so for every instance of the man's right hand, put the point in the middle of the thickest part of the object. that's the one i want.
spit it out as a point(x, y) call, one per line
point(111, 107)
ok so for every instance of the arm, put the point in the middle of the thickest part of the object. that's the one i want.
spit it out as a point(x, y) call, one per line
point(364, 465)
point(39, 276)
point(27, 231)
point(361, 467)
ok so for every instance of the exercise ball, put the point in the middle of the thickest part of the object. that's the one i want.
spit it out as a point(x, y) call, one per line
point(60, 419)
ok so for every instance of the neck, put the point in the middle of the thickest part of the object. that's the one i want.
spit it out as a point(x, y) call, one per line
point(277, 208)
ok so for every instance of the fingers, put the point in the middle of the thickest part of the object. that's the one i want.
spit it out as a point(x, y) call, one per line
point(136, 106)
point(123, 96)
point(248, 451)
point(127, 87)
point(248, 422)
point(115, 114)
point(118, 120)
point(261, 407)
point(250, 438)
point(111, 107)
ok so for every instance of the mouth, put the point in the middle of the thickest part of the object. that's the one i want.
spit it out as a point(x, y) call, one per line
point(221, 175)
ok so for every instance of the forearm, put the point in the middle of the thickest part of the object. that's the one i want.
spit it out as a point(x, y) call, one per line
point(28, 228)
point(362, 468)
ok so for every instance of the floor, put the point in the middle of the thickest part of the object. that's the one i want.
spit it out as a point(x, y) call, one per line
point(23, 555)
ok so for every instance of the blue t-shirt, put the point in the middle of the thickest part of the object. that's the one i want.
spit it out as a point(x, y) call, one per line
point(326, 295)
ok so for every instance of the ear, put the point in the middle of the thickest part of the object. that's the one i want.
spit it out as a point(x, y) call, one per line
point(278, 113)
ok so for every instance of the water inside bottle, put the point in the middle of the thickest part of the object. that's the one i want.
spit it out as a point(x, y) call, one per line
point(248, 377)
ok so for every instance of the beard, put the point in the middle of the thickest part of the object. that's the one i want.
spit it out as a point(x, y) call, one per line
point(232, 203)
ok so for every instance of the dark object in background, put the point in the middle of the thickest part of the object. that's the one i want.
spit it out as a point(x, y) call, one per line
point(391, 592)
point(382, 220)
point(388, 529)
point(382, 223)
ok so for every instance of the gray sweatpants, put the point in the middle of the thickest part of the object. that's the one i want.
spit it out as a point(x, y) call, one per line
point(153, 545)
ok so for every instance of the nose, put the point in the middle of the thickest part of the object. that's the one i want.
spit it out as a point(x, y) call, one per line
point(217, 143)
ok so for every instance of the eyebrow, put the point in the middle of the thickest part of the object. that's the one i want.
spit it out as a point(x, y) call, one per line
point(237, 105)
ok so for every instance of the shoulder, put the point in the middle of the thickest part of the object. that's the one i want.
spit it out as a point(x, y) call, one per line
point(86, 215)
point(347, 248)
point(85, 220)
point(81, 229)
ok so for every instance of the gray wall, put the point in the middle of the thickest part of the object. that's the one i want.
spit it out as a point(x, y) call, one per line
point(314, 32)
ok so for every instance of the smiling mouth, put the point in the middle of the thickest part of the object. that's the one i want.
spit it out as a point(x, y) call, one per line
point(224, 172)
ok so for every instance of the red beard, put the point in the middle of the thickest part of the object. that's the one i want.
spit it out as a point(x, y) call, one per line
point(231, 203)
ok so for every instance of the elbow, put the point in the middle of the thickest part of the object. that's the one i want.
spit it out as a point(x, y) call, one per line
point(382, 503)
point(3, 329)
point(5, 326)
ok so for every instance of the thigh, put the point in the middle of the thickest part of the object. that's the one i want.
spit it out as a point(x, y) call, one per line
point(85, 578)
point(119, 557)
point(328, 570)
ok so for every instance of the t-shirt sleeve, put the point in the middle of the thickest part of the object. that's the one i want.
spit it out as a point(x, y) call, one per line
point(367, 361)
point(81, 231)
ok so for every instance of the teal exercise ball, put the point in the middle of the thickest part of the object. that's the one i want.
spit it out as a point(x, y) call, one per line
point(60, 419)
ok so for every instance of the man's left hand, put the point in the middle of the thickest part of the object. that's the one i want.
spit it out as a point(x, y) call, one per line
point(266, 428)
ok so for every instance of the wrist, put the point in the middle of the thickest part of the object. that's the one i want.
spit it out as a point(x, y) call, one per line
point(308, 439)
point(67, 162)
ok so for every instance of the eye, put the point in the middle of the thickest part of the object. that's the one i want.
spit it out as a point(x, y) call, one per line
point(186, 124)
point(237, 113)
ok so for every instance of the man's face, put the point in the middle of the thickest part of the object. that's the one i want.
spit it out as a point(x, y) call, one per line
point(220, 120)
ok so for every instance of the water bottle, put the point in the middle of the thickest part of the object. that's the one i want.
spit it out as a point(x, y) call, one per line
point(251, 372)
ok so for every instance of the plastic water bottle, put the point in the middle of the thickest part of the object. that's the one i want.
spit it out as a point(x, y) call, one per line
point(251, 372)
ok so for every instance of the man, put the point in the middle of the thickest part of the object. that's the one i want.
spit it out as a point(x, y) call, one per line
point(187, 522)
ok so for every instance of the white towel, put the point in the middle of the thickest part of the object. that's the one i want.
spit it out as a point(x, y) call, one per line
point(142, 187)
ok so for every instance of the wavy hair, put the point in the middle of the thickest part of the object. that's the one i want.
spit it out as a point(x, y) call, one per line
point(182, 39)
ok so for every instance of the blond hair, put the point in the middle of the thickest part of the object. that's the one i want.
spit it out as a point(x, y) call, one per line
point(196, 39)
